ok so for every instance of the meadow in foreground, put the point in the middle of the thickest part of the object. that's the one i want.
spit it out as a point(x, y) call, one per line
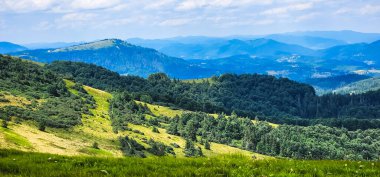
point(17, 163)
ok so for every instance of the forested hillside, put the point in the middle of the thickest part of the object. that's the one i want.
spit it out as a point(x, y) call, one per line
point(265, 97)
point(118, 124)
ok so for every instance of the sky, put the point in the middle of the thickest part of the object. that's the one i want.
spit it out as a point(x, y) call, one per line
point(31, 21)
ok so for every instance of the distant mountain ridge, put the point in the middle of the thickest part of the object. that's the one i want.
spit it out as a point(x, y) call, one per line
point(265, 56)
point(118, 56)
point(7, 47)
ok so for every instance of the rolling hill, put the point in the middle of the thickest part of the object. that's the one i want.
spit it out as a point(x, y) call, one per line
point(358, 87)
point(7, 47)
point(42, 112)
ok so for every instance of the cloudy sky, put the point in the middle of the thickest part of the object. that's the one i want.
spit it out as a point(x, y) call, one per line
point(27, 21)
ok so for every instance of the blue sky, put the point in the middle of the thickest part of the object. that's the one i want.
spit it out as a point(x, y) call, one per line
point(28, 21)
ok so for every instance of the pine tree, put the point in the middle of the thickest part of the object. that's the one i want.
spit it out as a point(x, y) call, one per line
point(4, 124)
point(207, 145)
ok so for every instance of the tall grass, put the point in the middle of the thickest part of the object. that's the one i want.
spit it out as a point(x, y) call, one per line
point(17, 163)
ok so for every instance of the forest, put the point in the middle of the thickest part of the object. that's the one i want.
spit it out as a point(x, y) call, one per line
point(264, 97)
point(230, 96)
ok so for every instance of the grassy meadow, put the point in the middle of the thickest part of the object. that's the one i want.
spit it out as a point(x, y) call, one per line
point(17, 163)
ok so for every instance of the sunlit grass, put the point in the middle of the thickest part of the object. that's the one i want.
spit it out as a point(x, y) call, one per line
point(16, 163)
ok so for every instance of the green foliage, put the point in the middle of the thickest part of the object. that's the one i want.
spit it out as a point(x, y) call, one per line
point(95, 145)
point(124, 110)
point(159, 149)
point(26, 78)
point(131, 147)
point(313, 142)
point(207, 145)
point(4, 123)
point(277, 100)
point(42, 125)
point(155, 130)
point(192, 151)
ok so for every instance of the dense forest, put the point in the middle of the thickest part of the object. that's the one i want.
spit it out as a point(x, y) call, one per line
point(312, 142)
point(51, 105)
point(278, 100)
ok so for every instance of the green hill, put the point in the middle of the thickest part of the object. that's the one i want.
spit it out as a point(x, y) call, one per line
point(371, 84)
point(43, 112)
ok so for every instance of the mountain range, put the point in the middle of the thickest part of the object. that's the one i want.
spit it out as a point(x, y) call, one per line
point(201, 57)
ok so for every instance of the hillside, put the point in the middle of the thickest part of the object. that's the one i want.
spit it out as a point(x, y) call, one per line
point(360, 58)
point(95, 125)
point(371, 84)
point(7, 47)
point(63, 117)
point(119, 56)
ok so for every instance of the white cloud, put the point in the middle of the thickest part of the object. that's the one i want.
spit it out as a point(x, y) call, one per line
point(195, 4)
point(288, 8)
point(23, 6)
point(78, 17)
point(369, 9)
point(94, 4)
point(175, 22)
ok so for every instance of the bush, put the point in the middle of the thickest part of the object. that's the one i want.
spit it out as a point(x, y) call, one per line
point(95, 145)
point(4, 124)
point(155, 130)
point(130, 147)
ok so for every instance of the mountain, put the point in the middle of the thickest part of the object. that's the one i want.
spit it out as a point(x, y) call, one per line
point(361, 58)
point(211, 48)
point(347, 36)
point(311, 42)
point(292, 66)
point(334, 82)
point(362, 86)
point(118, 56)
point(7, 47)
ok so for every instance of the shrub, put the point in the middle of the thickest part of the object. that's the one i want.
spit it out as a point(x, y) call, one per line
point(155, 130)
point(4, 124)
point(95, 145)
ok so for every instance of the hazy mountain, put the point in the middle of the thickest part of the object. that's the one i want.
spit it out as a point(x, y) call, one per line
point(361, 58)
point(118, 56)
point(333, 82)
point(7, 47)
point(345, 35)
point(307, 41)
point(211, 48)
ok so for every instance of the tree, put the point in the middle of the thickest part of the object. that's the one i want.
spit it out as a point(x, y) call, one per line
point(155, 130)
point(95, 145)
point(4, 124)
point(207, 144)
point(42, 125)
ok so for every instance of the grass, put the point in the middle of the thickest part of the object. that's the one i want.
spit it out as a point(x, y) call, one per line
point(13, 100)
point(17, 163)
point(70, 85)
point(96, 152)
point(158, 110)
point(13, 139)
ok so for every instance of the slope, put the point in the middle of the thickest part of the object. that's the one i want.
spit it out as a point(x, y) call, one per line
point(7, 47)
point(117, 55)
point(358, 87)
